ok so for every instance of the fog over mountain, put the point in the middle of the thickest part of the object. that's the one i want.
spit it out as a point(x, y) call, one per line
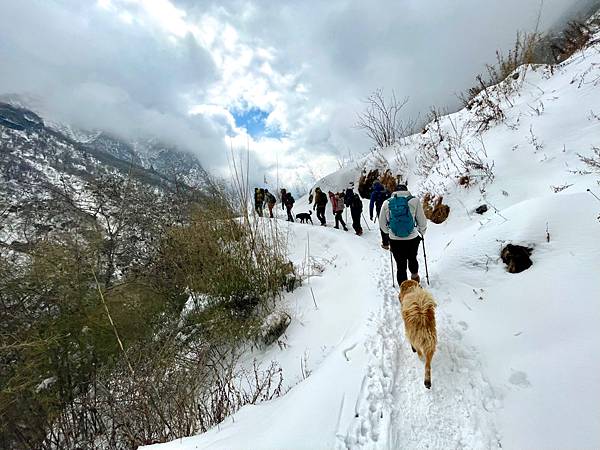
point(285, 79)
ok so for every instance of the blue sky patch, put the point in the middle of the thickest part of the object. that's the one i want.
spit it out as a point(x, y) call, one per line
point(254, 120)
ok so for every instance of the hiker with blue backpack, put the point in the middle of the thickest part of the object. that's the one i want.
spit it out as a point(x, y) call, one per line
point(402, 223)
point(378, 196)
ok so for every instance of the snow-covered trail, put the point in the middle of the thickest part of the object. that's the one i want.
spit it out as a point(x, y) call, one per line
point(516, 364)
point(396, 411)
point(365, 389)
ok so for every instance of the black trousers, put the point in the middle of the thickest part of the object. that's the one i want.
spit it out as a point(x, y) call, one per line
point(356, 220)
point(405, 253)
point(339, 219)
point(321, 214)
point(290, 217)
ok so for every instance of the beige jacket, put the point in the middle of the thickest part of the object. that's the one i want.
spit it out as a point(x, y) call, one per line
point(416, 209)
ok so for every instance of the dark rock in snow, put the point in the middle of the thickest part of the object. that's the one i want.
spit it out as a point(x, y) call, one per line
point(481, 209)
point(18, 118)
point(274, 326)
point(516, 257)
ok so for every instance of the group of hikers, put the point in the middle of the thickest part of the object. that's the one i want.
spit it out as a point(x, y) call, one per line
point(263, 197)
point(339, 201)
point(402, 220)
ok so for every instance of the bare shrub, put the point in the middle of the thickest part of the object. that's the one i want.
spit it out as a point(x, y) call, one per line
point(381, 119)
point(401, 162)
point(389, 181)
point(434, 208)
point(452, 153)
point(183, 389)
point(486, 108)
point(365, 182)
point(523, 52)
point(427, 158)
point(592, 162)
point(560, 188)
point(427, 151)
point(74, 347)
point(534, 141)
point(574, 37)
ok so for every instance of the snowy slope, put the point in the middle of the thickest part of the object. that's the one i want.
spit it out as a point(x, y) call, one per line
point(517, 361)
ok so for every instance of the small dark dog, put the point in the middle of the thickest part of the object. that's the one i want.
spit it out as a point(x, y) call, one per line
point(305, 217)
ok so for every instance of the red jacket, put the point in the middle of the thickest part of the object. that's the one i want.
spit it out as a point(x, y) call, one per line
point(337, 204)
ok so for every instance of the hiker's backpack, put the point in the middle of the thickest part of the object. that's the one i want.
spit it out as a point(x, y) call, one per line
point(356, 203)
point(320, 198)
point(290, 199)
point(402, 223)
point(348, 197)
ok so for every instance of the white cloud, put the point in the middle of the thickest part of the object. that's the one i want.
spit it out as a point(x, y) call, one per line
point(177, 68)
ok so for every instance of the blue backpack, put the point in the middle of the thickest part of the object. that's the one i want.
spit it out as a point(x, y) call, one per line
point(402, 222)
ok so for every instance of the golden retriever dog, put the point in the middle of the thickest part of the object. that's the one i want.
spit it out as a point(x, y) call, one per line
point(418, 313)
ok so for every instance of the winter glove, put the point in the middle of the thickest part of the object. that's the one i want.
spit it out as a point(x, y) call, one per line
point(385, 240)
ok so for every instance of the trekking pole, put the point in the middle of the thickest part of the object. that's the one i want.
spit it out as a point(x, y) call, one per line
point(392, 266)
point(367, 223)
point(590, 191)
point(425, 257)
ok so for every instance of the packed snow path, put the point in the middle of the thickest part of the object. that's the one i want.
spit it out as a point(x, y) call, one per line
point(396, 411)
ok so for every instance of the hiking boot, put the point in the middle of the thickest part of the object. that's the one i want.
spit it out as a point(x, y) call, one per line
point(345, 229)
point(337, 228)
point(385, 247)
point(416, 277)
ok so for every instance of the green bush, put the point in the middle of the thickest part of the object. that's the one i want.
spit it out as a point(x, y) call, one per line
point(80, 313)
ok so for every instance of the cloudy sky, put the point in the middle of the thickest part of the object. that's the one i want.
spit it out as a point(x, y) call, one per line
point(285, 78)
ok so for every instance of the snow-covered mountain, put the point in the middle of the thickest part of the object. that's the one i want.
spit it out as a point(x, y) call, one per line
point(40, 160)
point(516, 364)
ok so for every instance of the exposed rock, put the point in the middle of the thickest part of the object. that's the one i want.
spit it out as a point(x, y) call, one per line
point(19, 119)
point(516, 257)
point(481, 209)
point(274, 326)
point(464, 181)
point(291, 282)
